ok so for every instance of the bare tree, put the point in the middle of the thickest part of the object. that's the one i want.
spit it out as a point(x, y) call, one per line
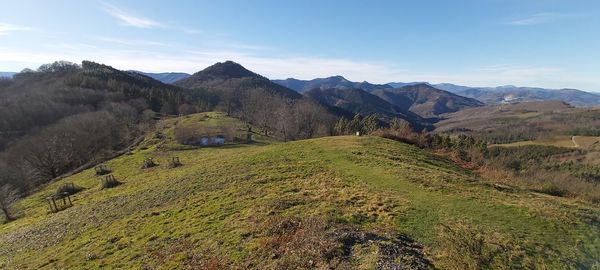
point(8, 197)
point(286, 122)
point(185, 109)
point(312, 118)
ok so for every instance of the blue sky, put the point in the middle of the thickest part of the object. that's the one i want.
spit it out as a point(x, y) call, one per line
point(547, 43)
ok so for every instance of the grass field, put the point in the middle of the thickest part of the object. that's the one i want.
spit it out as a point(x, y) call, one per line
point(583, 142)
point(217, 208)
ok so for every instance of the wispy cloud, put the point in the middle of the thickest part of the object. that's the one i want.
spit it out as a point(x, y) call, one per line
point(192, 59)
point(541, 18)
point(128, 19)
point(6, 28)
point(131, 42)
point(189, 30)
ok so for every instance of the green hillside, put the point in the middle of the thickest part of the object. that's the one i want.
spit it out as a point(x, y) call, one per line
point(342, 202)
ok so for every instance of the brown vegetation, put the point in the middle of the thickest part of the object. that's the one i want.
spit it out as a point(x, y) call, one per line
point(465, 247)
point(8, 197)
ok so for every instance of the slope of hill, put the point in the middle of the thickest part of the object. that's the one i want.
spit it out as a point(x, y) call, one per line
point(64, 115)
point(452, 88)
point(231, 76)
point(336, 202)
point(426, 100)
point(504, 123)
point(510, 94)
point(32, 100)
point(358, 101)
point(338, 82)
point(165, 77)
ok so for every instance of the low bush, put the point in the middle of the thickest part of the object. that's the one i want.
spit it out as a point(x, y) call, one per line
point(68, 189)
point(149, 163)
point(102, 170)
point(110, 181)
point(174, 162)
point(462, 246)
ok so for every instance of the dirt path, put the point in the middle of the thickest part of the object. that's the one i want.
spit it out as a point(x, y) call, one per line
point(574, 142)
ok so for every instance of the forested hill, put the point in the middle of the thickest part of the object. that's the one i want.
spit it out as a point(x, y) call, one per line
point(426, 100)
point(336, 82)
point(231, 76)
point(64, 115)
point(358, 101)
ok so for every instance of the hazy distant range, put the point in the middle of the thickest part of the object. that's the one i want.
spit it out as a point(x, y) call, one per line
point(488, 95)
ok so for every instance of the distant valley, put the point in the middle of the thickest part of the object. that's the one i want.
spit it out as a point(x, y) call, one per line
point(165, 77)
point(7, 74)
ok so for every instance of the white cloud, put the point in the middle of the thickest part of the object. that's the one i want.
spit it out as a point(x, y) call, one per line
point(541, 18)
point(6, 28)
point(190, 60)
point(129, 19)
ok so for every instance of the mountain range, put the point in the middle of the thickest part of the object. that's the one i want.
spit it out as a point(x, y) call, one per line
point(512, 94)
point(425, 100)
point(358, 101)
point(487, 95)
point(233, 78)
point(327, 83)
point(419, 98)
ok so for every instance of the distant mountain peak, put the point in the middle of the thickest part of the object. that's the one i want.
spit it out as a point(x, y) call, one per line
point(508, 86)
point(227, 70)
point(338, 77)
point(228, 75)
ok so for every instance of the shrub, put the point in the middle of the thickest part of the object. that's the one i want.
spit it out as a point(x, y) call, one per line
point(68, 189)
point(174, 162)
point(553, 189)
point(462, 246)
point(8, 198)
point(149, 163)
point(102, 170)
point(110, 181)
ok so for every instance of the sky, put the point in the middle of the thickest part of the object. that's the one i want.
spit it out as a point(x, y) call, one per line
point(544, 43)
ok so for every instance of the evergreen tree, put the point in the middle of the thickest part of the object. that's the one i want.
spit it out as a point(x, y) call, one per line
point(370, 124)
point(341, 127)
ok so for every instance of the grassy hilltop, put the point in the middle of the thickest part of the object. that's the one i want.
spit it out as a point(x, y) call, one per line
point(342, 202)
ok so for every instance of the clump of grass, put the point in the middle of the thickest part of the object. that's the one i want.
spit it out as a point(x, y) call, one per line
point(552, 189)
point(110, 181)
point(68, 189)
point(462, 246)
point(174, 162)
point(303, 243)
point(317, 243)
point(149, 163)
